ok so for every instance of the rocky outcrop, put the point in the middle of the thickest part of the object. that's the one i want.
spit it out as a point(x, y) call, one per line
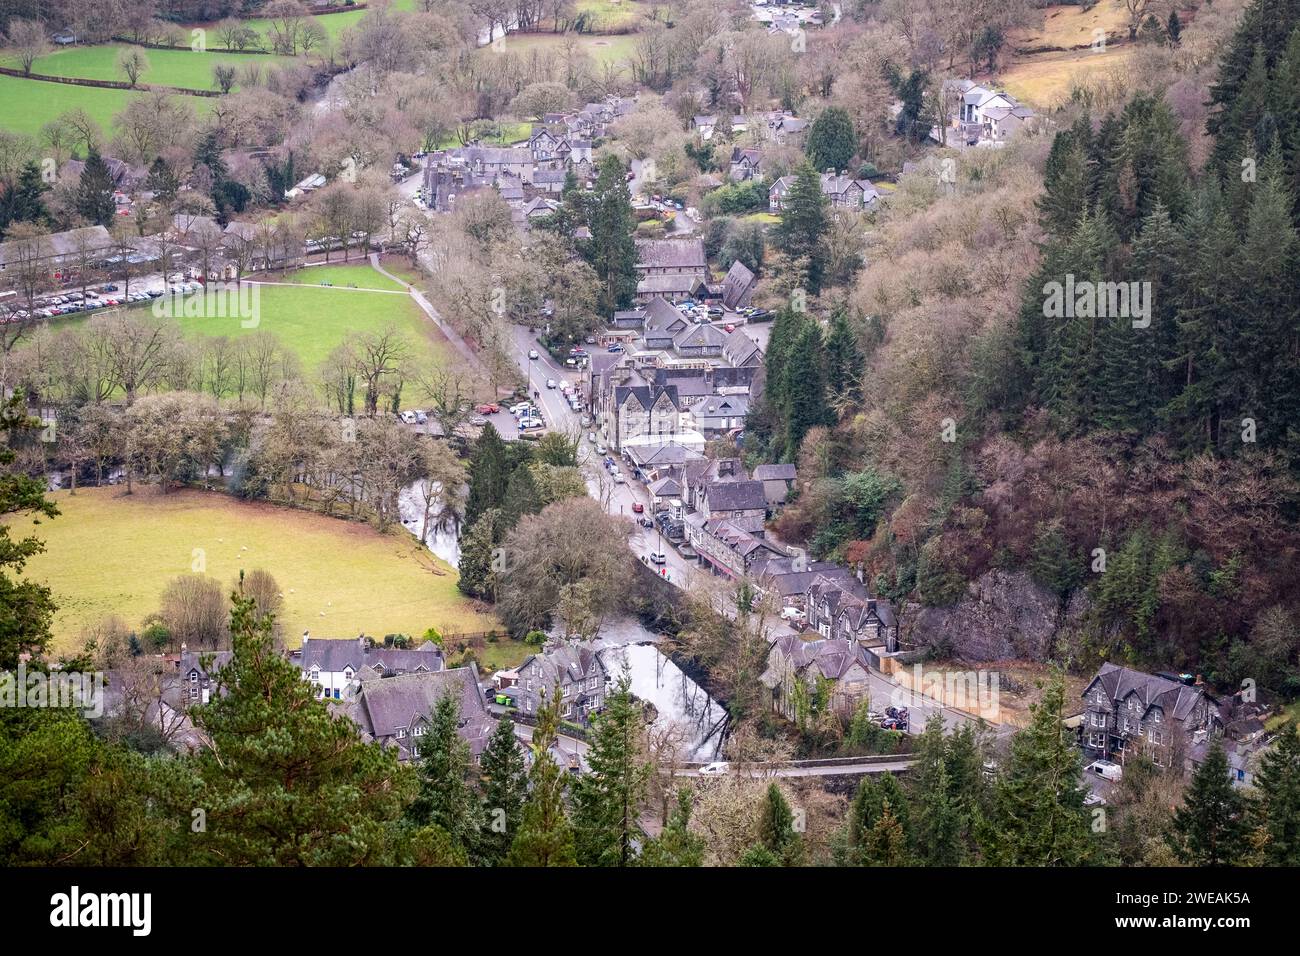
point(1005, 614)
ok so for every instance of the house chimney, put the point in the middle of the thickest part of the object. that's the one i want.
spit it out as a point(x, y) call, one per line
point(306, 636)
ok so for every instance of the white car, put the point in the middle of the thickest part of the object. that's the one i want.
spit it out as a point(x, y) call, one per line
point(550, 383)
point(619, 479)
point(658, 557)
point(408, 417)
point(715, 769)
point(600, 449)
point(532, 354)
point(530, 423)
point(591, 437)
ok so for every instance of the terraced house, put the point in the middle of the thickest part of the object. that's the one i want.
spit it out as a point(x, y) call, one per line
point(1128, 712)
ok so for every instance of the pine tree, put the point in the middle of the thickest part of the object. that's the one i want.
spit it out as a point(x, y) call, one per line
point(1065, 179)
point(505, 790)
point(522, 496)
point(885, 843)
point(1277, 809)
point(831, 140)
point(489, 474)
point(94, 197)
point(1209, 829)
point(806, 406)
point(676, 845)
point(162, 182)
point(844, 360)
point(24, 201)
point(285, 781)
point(1037, 815)
point(776, 832)
point(613, 253)
point(938, 818)
point(545, 836)
point(445, 799)
point(607, 799)
point(478, 556)
point(803, 225)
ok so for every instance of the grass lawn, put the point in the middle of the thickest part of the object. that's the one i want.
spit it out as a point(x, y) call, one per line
point(510, 133)
point(602, 49)
point(335, 23)
point(762, 218)
point(610, 14)
point(312, 319)
point(1067, 25)
point(362, 276)
point(183, 68)
point(110, 553)
point(27, 105)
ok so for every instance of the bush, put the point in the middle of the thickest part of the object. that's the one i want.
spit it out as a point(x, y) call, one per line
point(535, 638)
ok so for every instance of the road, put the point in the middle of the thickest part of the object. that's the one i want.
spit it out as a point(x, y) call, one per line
point(796, 769)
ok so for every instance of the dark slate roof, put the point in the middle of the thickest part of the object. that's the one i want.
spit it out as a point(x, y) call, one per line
point(739, 347)
point(661, 316)
point(384, 705)
point(1175, 699)
point(774, 473)
point(830, 658)
point(671, 254)
point(644, 394)
point(736, 496)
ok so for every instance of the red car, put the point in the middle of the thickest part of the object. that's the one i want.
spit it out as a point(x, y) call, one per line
point(638, 508)
point(728, 328)
point(487, 408)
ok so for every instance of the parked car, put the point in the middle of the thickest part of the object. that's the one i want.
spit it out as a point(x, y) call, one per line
point(532, 354)
point(715, 769)
point(531, 423)
point(638, 508)
point(408, 417)
point(619, 479)
point(728, 327)
point(658, 557)
point(421, 418)
point(478, 421)
point(600, 449)
point(616, 348)
point(591, 437)
point(487, 408)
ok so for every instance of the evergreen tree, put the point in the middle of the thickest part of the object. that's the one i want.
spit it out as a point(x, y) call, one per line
point(478, 556)
point(831, 140)
point(844, 360)
point(1037, 815)
point(286, 782)
point(776, 833)
point(545, 836)
point(94, 197)
point(522, 496)
point(885, 843)
point(937, 815)
point(1066, 193)
point(804, 389)
point(1209, 829)
point(445, 799)
point(24, 201)
point(1174, 27)
point(1277, 809)
point(803, 225)
point(608, 798)
point(676, 845)
point(489, 475)
point(613, 253)
point(505, 790)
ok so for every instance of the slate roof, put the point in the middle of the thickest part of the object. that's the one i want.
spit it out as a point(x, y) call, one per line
point(385, 705)
point(1174, 698)
point(739, 348)
point(671, 254)
point(774, 473)
point(735, 496)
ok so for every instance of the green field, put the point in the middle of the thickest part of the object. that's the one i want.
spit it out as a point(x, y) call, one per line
point(336, 23)
point(182, 68)
point(602, 49)
point(312, 319)
point(113, 553)
point(27, 105)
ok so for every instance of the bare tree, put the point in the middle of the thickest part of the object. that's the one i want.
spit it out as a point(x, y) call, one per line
point(27, 38)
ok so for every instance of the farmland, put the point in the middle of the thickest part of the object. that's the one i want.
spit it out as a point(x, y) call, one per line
point(185, 69)
point(110, 553)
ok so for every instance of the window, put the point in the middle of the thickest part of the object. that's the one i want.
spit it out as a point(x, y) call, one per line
point(1098, 719)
